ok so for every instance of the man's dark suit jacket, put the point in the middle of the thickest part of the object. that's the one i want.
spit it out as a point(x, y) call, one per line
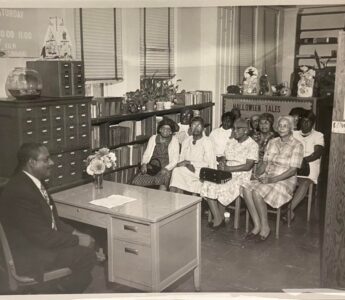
point(26, 218)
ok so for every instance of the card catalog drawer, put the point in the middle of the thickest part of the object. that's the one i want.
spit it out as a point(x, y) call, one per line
point(82, 215)
point(132, 262)
point(131, 231)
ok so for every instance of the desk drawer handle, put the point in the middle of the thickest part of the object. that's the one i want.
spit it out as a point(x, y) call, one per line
point(43, 108)
point(131, 251)
point(29, 109)
point(44, 120)
point(130, 228)
point(29, 121)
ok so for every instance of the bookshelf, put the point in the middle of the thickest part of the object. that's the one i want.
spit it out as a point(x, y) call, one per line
point(127, 134)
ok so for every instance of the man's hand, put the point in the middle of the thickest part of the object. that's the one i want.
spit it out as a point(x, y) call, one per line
point(84, 239)
point(143, 169)
point(164, 172)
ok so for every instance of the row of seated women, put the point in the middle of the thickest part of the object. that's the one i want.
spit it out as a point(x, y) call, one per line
point(263, 163)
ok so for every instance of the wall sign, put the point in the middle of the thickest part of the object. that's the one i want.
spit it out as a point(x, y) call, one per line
point(338, 127)
point(22, 30)
point(252, 106)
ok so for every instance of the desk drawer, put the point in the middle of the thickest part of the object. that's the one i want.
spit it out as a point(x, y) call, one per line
point(82, 215)
point(132, 262)
point(131, 231)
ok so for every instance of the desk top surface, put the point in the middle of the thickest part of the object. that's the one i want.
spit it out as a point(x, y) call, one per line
point(150, 206)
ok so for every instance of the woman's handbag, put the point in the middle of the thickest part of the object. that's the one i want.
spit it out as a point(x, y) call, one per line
point(153, 167)
point(215, 176)
point(304, 170)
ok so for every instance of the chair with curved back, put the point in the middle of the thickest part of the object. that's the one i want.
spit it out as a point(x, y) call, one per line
point(16, 281)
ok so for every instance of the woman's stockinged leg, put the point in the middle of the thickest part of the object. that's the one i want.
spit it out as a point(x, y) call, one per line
point(248, 198)
point(261, 207)
point(213, 205)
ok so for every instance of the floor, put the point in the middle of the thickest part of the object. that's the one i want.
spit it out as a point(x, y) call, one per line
point(231, 265)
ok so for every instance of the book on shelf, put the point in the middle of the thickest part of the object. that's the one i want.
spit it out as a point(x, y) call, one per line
point(95, 137)
point(198, 97)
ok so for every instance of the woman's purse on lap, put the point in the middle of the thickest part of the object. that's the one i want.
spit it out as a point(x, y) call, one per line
point(153, 167)
point(304, 170)
point(215, 176)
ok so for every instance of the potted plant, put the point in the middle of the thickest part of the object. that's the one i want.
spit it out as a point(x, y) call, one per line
point(169, 92)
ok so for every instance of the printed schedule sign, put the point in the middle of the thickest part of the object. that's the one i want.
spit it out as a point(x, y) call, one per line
point(22, 30)
point(257, 105)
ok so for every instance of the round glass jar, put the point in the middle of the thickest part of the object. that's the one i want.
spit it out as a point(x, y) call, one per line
point(24, 83)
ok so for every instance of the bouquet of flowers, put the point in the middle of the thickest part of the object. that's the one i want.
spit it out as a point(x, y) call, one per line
point(306, 82)
point(100, 161)
point(250, 84)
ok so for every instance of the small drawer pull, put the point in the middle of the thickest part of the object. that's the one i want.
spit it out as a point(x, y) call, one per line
point(58, 128)
point(29, 121)
point(29, 132)
point(66, 76)
point(71, 105)
point(66, 65)
point(71, 137)
point(60, 176)
point(67, 86)
point(59, 166)
point(59, 155)
point(45, 142)
point(84, 135)
point(71, 127)
point(130, 228)
point(83, 125)
point(71, 116)
point(80, 86)
point(83, 115)
point(58, 106)
point(72, 163)
point(46, 180)
point(44, 120)
point(83, 105)
point(131, 251)
point(43, 108)
point(29, 109)
point(72, 153)
point(44, 130)
point(58, 140)
point(73, 173)
point(58, 118)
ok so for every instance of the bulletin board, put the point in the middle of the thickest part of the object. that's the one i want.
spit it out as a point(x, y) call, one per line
point(22, 30)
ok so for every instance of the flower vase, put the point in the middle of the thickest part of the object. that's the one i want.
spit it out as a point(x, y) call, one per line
point(99, 181)
point(167, 105)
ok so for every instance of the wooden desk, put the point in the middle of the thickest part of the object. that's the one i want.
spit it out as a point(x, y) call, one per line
point(152, 242)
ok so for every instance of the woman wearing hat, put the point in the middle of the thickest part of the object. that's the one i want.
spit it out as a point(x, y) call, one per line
point(160, 157)
point(276, 179)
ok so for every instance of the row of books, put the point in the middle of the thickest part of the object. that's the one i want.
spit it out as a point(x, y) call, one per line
point(129, 155)
point(109, 106)
point(123, 176)
point(197, 97)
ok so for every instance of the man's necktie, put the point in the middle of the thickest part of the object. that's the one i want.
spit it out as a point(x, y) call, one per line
point(46, 197)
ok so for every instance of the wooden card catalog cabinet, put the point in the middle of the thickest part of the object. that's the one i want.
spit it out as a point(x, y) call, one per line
point(63, 125)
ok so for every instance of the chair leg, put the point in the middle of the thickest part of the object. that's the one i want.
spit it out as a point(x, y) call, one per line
point(237, 212)
point(310, 199)
point(277, 223)
point(247, 220)
point(289, 214)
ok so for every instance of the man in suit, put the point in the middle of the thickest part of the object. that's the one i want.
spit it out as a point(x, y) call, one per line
point(39, 240)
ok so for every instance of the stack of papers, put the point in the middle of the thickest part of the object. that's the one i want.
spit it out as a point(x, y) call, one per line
point(112, 201)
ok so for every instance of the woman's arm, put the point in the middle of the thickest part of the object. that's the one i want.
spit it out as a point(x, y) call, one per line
point(273, 179)
point(173, 150)
point(149, 150)
point(241, 168)
point(318, 150)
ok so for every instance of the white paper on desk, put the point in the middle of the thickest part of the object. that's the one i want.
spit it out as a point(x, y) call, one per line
point(112, 201)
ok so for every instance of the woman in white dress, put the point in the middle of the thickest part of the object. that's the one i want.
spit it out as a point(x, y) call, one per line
point(241, 152)
point(220, 136)
point(197, 152)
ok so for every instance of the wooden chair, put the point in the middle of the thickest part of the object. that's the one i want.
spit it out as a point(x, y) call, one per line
point(236, 207)
point(16, 281)
point(277, 212)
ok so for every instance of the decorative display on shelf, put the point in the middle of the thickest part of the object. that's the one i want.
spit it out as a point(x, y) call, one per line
point(98, 162)
point(265, 86)
point(281, 89)
point(24, 83)
point(57, 42)
point(306, 83)
point(250, 81)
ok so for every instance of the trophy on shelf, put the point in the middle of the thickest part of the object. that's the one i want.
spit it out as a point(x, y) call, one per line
point(57, 42)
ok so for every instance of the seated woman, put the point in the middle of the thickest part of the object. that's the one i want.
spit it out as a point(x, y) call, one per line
point(313, 143)
point(162, 151)
point(276, 180)
point(240, 154)
point(197, 152)
point(265, 134)
point(220, 136)
point(184, 125)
